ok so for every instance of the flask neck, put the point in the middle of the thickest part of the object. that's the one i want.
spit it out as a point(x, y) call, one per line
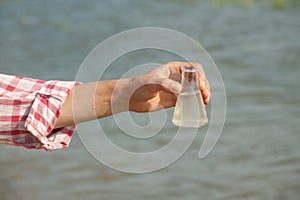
point(189, 79)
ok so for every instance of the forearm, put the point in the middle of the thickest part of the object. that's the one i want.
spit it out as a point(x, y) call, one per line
point(144, 93)
point(88, 102)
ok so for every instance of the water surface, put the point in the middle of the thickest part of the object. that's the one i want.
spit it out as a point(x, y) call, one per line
point(257, 50)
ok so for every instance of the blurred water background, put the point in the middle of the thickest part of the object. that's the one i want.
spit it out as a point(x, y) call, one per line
point(256, 47)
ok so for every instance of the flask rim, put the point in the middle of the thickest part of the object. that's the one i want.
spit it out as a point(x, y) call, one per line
point(189, 69)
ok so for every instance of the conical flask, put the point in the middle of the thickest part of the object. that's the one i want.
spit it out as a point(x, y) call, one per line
point(190, 109)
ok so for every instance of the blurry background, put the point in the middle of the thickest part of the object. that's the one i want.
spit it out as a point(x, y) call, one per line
point(256, 47)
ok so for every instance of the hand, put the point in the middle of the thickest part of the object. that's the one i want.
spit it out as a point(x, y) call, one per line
point(152, 91)
point(157, 89)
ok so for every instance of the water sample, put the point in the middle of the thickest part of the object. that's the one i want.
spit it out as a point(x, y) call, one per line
point(190, 109)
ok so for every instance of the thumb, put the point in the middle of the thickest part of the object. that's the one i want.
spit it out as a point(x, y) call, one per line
point(171, 85)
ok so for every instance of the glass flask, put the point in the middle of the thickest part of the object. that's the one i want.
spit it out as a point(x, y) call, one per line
point(190, 109)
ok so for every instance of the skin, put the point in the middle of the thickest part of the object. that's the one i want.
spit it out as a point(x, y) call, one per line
point(148, 92)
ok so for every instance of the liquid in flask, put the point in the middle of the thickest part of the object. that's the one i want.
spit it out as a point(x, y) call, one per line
point(189, 109)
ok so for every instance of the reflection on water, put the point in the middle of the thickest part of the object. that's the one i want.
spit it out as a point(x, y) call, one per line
point(257, 50)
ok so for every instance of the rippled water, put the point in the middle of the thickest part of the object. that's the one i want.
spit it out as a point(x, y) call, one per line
point(257, 50)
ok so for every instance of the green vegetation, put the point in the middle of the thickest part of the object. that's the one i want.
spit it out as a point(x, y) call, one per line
point(277, 4)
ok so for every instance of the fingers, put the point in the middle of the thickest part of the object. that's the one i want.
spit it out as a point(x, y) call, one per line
point(204, 85)
point(171, 86)
point(162, 100)
point(202, 80)
point(205, 96)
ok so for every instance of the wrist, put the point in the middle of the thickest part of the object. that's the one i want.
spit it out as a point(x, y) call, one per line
point(120, 95)
point(103, 98)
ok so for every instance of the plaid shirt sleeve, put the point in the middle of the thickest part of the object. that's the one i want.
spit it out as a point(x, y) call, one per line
point(29, 109)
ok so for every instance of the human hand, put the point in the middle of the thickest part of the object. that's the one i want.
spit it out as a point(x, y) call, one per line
point(157, 89)
point(152, 91)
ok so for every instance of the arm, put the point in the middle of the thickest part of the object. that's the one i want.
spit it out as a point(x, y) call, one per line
point(144, 93)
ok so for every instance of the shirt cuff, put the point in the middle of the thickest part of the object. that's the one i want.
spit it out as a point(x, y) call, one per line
point(44, 112)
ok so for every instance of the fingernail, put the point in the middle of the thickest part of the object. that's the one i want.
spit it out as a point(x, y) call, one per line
point(208, 99)
point(203, 84)
point(176, 87)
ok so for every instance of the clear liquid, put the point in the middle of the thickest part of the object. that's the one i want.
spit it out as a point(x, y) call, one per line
point(189, 110)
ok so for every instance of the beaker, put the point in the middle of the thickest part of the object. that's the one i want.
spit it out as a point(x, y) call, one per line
point(189, 109)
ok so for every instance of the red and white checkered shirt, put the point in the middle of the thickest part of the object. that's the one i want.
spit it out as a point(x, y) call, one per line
point(29, 109)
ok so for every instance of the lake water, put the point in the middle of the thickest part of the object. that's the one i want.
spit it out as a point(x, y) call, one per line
point(257, 50)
